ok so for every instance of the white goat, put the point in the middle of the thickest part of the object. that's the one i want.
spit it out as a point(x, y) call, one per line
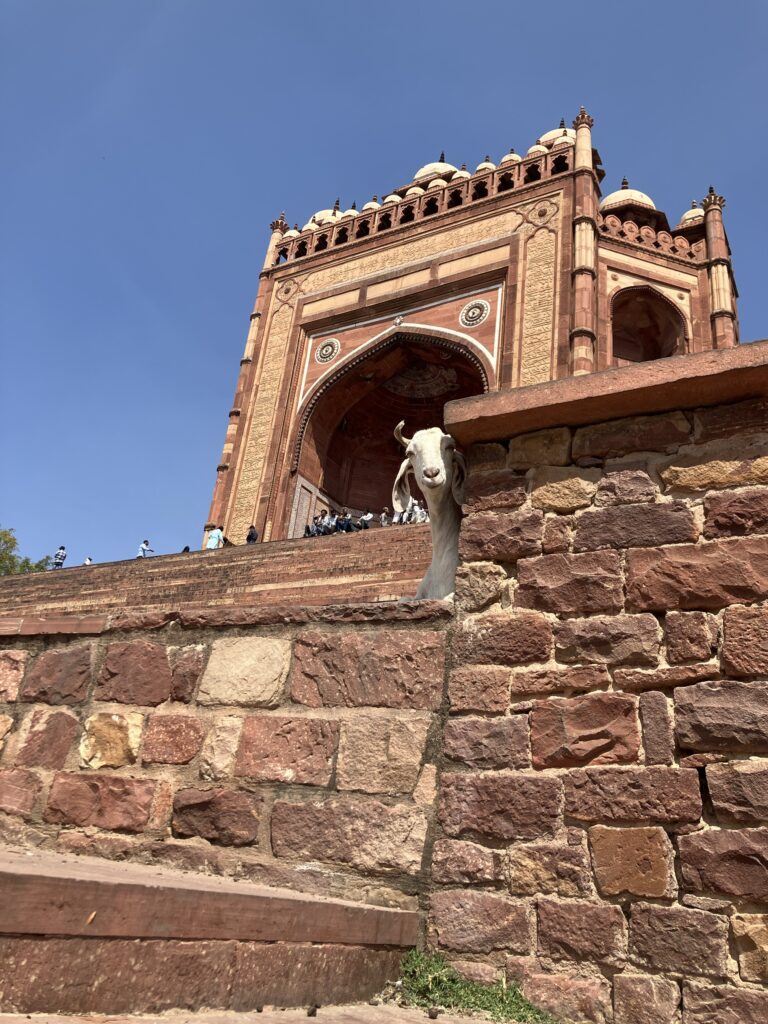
point(440, 471)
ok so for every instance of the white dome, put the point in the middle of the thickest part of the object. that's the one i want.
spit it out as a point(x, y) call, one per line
point(311, 225)
point(461, 173)
point(692, 215)
point(291, 233)
point(438, 169)
point(372, 205)
point(485, 165)
point(510, 158)
point(626, 195)
point(563, 140)
point(351, 212)
point(538, 148)
point(327, 216)
point(414, 190)
point(556, 133)
point(437, 183)
point(394, 198)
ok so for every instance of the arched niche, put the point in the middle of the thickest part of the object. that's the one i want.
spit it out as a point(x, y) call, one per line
point(645, 325)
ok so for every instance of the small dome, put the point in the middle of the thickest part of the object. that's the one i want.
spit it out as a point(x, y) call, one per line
point(437, 183)
point(438, 169)
point(624, 196)
point(394, 198)
point(327, 216)
point(549, 137)
point(351, 212)
point(462, 173)
point(372, 205)
point(311, 225)
point(563, 139)
point(692, 215)
point(537, 148)
point(510, 158)
point(291, 233)
point(485, 165)
point(414, 190)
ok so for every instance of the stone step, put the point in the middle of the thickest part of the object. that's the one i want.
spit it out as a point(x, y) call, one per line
point(81, 935)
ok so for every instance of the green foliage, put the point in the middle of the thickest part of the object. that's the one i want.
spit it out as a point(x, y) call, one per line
point(431, 981)
point(10, 563)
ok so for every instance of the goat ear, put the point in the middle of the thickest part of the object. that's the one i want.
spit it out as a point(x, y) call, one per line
point(459, 476)
point(401, 492)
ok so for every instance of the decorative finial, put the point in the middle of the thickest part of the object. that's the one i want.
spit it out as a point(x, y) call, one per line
point(562, 121)
point(296, 226)
point(442, 157)
point(487, 158)
point(281, 224)
point(583, 118)
point(354, 205)
point(337, 204)
point(712, 199)
point(375, 199)
point(694, 205)
point(512, 150)
point(624, 183)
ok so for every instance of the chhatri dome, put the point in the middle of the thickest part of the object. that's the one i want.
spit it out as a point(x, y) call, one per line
point(555, 136)
point(694, 214)
point(626, 196)
point(438, 169)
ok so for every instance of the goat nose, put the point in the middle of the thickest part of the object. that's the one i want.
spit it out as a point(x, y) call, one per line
point(431, 472)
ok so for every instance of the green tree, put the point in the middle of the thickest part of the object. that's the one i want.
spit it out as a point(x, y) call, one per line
point(10, 563)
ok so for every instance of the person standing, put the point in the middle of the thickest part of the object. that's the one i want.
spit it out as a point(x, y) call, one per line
point(60, 557)
point(144, 548)
point(252, 536)
point(215, 538)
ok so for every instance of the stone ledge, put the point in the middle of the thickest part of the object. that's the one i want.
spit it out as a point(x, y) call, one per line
point(680, 382)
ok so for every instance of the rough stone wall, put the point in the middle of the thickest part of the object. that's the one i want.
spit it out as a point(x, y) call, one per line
point(603, 800)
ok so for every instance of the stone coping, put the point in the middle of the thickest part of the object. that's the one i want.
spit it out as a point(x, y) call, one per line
point(679, 382)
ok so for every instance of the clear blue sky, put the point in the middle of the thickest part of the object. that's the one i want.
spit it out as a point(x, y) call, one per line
point(148, 143)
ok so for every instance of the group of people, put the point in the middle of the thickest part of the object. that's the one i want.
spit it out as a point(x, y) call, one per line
point(328, 522)
point(60, 558)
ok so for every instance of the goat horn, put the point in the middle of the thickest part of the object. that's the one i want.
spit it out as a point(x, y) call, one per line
point(404, 441)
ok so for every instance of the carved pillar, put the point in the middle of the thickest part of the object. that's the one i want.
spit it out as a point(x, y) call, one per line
point(722, 299)
point(583, 337)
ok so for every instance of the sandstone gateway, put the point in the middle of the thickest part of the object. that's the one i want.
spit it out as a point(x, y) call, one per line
point(561, 777)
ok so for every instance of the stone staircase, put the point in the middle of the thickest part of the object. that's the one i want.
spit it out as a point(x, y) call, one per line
point(374, 565)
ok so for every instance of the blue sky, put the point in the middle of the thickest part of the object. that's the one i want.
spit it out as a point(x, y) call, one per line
point(148, 143)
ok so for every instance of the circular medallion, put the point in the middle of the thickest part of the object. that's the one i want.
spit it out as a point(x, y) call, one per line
point(327, 350)
point(474, 313)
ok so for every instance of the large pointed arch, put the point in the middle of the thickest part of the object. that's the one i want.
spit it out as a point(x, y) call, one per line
point(645, 325)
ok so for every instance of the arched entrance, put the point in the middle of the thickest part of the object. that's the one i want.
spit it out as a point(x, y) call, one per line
point(645, 325)
point(345, 448)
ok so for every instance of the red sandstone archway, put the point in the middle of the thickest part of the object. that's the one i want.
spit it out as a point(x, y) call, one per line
point(645, 325)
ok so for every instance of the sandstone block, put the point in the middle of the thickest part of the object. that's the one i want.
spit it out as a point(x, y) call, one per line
point(632, 434)
point(635, 526)
point(187, 664)
point(637, 861)
point(479, 584)
point(281, 749)
point(479, 688)
point(361, 833)
point(580, 930)
point(511, 806)
point(645, 999)
point(723, 1004)
point(460, 863)
point(385, 668)
point(48, 740)
point(477, 922)
point(679, 940)
point(561, 680)
point(557, 534)
point(745, 641)
point(625, 487)
point(541, 448)
point(602, 640)
point(571, 583)
point(135, 672)
point(483, 457)
point(217, 760)
point(488, 742)
point(111, 740)
point(734, 418)
point(503, 639)
point(724, 715)
point(733, 862)
point(637, 680)
point(18, 791)
point(570, 998)
point(597, 728)
point(6, 724)
point(471, 970)
point(725, 463)
point(751, 934)
point(736, 513)
point(381, 755)
point(110, 802)
point(658, 732)
point(61, 676)
point(554, 869)
point(12, 665)
point(706, 576)
point(739, 791)
point(494, 490)
point(690, 636)
point(425, 790)
point(563, 489)
point(246, 671)
point(628, 795)
point(172, 739)
point(501, 536)
point(223, 816)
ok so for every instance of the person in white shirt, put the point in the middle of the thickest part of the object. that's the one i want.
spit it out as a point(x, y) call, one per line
point(144, 548)
point(364, 521)
point(383, 518)
point(215, 538)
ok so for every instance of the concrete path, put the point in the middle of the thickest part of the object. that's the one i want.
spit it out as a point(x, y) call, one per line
point(360, 1014)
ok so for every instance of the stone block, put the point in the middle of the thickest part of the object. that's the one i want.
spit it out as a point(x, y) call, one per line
point(541, 448)
point(739, 791)
point(135, 672)
point(459, 863)
point(479, 584)
point(19, 790)
point(217, 760)
point(494, 490)
point(630, 795)
point(558, 531)
point(484, 457)
point(60, 676)
point(223, 816)
point(548, 869)
point(503, 639)
point(690, 636)
point(751, 934)
point(471, 970)
point(6, 724)
point(479, 688)
point(585, 1000)
point(597, 728)
point(716, 465)
point(732, 861)
point(384, 668)
point(282, 749)
point(111, 740)
point(563, 489)
point(425, 790)
point(186, 666)
point(736, 513)
point(478, 922)
point(381, 754)
point(501, 536)
point(658, 730)
point(111, 802)
point(637, 680)
point(12, 665)
point(702, 576)
point(172, 739)
point(625, 487)
point(745, 641)
point(511, 806)
point(635, 861)
point(645, 999)
point(734, 418)
point(488, 742)
point(49, 738)
point(678, 940)
point(563, 681)
point(246, 672)
point(635, 526)
point(632, 434)
point(358, 832)
point(723, 1004)
point(723, 715)
point(580, 930)
point(571, 583)
point(603, 640)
